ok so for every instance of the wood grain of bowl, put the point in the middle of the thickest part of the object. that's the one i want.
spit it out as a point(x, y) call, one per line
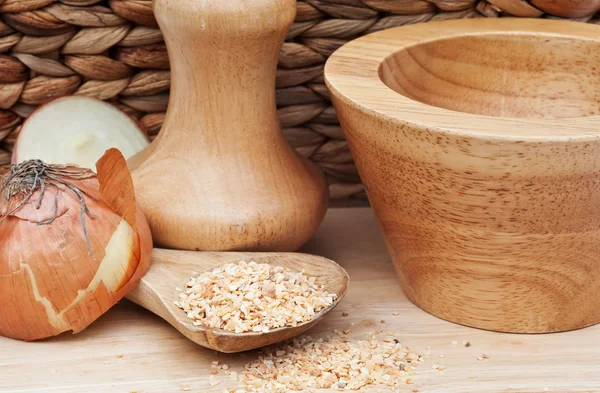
point(479, 145)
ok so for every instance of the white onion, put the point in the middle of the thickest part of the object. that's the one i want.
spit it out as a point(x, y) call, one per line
point(77, 130)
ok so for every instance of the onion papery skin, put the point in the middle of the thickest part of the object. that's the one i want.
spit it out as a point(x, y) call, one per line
point(49, 282)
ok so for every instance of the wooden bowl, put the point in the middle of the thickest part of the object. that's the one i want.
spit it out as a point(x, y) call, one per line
point(479, 144)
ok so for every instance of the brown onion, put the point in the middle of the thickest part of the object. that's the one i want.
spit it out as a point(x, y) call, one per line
point(72, 244)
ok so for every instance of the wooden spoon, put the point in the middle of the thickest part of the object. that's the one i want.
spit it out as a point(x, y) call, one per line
point(171, 269)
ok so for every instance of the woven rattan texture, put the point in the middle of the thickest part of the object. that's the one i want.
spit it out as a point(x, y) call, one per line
point(114, 51)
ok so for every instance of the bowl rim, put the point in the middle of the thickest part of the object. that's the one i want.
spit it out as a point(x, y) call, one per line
point(352, 76)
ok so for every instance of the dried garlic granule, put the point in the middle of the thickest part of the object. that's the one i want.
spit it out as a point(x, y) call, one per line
point(251, 297)
point(332, 363)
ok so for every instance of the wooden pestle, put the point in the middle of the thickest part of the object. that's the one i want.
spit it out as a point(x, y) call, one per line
point(221, 176)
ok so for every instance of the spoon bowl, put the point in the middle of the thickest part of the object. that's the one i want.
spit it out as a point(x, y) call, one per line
point(172, 269)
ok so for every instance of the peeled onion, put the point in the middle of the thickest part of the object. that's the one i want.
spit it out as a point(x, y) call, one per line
point(77, 130)
point(73, 244)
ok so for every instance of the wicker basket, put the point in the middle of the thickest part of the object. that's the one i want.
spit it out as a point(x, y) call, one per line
point(113, 50)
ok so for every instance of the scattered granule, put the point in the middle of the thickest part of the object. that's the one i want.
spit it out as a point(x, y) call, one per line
point(435, 366)
point(185, 388)
point(119, 356)
point(415, 390)
point(213, 383)
point(483, 357)
point(331, 363)
point(468, 344)
point(224, 367)
point(409, 381)
point(252, 297)
point(382, 321)
point(213, 371)
point(344, 314)
point(395, 313)
point(441, 368)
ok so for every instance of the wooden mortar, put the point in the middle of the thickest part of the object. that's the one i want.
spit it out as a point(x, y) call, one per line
point(221, 176)
point(479, 145)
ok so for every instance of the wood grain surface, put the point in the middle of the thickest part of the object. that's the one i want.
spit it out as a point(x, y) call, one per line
point(158, 359)
point(220, 175)
point(502, 75)
point(172, 269)
point(478, 144)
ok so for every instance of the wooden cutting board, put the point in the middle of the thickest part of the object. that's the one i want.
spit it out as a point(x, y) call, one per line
point(157, 359)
